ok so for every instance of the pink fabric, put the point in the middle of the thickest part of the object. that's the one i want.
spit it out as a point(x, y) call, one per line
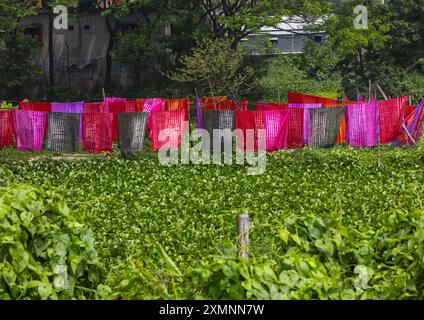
point(306, 118)
point(168, 120)
point(362, 124)
point(29, 127)
point(276, 126)
point(151, 106)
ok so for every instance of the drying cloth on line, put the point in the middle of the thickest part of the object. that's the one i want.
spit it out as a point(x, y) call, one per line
point(306, 124)
point(294, 97)
point(29, 128)
point(63, 131)
point(325, 126)
point(151, 106)
point(391, 115)
point(111, 100)
point(362, 124)
point(36, 106)
point(139, 105)
point(264, 106)
point(71, 107)
point(295, 138)
point(167, 128)
point(199, 113)
point(114, 109)
point(177, 104)
point(94, 107)
point(208, 102)
point(132, 131)
point(218, 120)
point(6, 131)
point(227, 105)
point(131, 106)
point(276, 126)
point(415, 122)
point(97, 132)
point(249, 123)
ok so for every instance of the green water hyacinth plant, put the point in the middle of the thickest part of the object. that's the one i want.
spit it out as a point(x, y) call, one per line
point(46, 252)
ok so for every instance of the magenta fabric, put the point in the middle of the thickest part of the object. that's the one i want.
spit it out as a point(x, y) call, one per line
point(199, 118)
point(306, 118)
point(107, 100)
point(70, 107)
point(362, 124)
point(276, 125)
point(151, 106)
point(29, 127)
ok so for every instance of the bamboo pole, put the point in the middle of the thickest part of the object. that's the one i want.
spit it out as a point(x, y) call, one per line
point(243, 225)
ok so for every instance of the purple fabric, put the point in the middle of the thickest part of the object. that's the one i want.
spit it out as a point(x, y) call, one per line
point(362, 124)
point(199, 113)
point(414, 125)
point(306, 119)
point(29, 127)
point(70, 107)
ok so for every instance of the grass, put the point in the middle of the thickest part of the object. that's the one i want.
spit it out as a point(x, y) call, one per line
point(138, 207)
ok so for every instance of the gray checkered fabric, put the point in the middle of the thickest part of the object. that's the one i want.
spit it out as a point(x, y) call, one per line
point(223, 120)
point(325, 126)
point(63, 132)
point(131, 131)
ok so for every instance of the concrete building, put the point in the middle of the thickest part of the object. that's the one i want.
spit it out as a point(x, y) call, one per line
point(288, 37)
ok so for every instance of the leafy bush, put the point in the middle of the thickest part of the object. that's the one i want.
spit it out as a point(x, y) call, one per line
point(319, 259)
point(283, 74)
point(46, 252)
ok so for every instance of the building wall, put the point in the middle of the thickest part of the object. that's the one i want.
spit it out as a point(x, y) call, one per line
point(79, 52)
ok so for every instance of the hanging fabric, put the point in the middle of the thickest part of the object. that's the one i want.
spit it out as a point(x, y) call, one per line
point(132, 131)
point(151, 106)
point(306, 124)
point(35, 106)
point(6, 130)
point(114, 109)
point(219, 120)
point(71, 107)
point(276, 127)
point(298, 98)
point(295, 139)
point(362, 124)
point(199, 113)
point(29, 128)
point(325, 126)
point(131, 106)
point(264, 106)
point(391, 115)
point(97, 132)
point(107, 101)
point(252, 121)
point(94, 107)
point(173, 121)
point(63, 131)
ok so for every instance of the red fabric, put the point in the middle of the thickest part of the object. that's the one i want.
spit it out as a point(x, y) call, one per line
point(114, 109)
point(36, 106)
point(298, 98)
point(295, 138)
point(207, 103)
point(391, 114)
point(94, 107)
point(130, 106)
point(177, 104)
point(97, 132)
point(408, 111)
point(168, 120)
point(266, 106)
point(6, 130)
point(249, 120)
point(139, 105)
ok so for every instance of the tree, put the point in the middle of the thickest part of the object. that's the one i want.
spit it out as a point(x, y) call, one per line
point(16, 48)
point(236, 19)
point(215, 65)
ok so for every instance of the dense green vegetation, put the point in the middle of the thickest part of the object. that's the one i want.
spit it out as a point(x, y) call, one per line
point(320, 219)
